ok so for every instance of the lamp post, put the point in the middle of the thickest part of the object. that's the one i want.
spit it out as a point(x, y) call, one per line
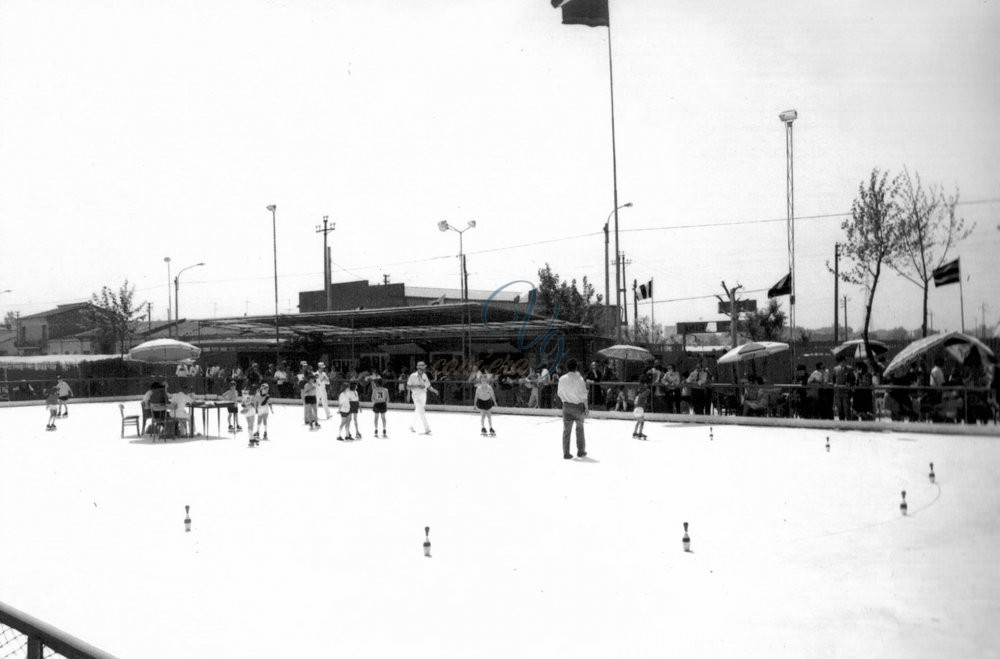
point(166, 259)
point(607, 284)
point(274, 237)
point(463, 273)
point(177, 291)
point(787, 117)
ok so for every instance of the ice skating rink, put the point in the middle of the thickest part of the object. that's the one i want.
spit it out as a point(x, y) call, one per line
point(311, 547)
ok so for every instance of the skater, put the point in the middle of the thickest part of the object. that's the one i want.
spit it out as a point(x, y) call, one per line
point(639, 411)
point(418, 385)
point(64, 393)
point(380, 401)
point(52, 405)
point(572, 391)
point(486, 398)
point(355, 403)
point(249, 411)
point(232, 412)
point(262, 401)
point(322, 382)
point(344, 408)
point(309, 402)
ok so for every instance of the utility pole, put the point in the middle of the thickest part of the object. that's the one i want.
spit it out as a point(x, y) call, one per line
point(734, 315)
point(620, 264)
point(327, 263)
point(846, 332)
point(607, 281)
point(385, 280)
point(836, 292)
point(635, 304)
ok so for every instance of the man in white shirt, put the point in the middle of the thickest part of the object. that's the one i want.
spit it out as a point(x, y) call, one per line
point(182, 413)
point(572, 391)
point(419, 384)
point(322, 383)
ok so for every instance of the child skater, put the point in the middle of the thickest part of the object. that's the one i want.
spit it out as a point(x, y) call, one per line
point(264, 409)
point(352, 396)
point(344, 407)
point(380, 400)
point(486, 398)
point(232, 412)
point(309, 401)
point(52, 405)
point(639, 412)
point(249, 411)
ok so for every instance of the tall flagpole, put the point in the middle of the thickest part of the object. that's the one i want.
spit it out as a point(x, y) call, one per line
point(614, 177)
point(961, 295)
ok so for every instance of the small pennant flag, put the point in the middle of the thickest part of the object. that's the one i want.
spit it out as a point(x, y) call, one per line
point(583, 12)
point(783, 287)
point(646, 290)
point(948, 273)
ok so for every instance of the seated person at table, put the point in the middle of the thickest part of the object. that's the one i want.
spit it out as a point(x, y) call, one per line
point(182, 413)
point(155, 400)
point(233, 416)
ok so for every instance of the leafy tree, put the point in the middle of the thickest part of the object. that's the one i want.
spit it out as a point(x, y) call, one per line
point(645, 331)
point(765, 324)
point(10, 320)
point(575, 305)
point(116, 315)
point(875, 237)
point(930, 228)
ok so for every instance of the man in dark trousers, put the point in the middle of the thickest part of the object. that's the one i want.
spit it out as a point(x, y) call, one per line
point(572, 391)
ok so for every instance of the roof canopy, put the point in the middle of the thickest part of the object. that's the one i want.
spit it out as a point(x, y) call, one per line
point(498, 322)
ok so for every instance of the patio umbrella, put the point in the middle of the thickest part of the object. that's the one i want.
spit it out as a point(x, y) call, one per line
point(627, 353)
point(921, 347)
point(752, 350)
point(855, 348)
point(164, 351)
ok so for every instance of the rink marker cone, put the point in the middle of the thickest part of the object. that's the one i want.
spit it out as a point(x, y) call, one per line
point(903, 506)
point(827, 444)
point(427, 541)
point(686, 541)
point(931, 475)
point(187, 519)
point(711, 435)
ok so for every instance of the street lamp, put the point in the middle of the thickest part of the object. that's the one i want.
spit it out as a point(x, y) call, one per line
point(444, 226)
point(607, 283)
point(787, 117)
point(177, 290)
point(166, 259)
point(463, 273)
point(274, 236)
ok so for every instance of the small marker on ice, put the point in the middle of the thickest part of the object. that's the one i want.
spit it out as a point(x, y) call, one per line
point(686, 541)
point(711, 435)
point(187, 518)
point(427, 541)
point(931, 475)
point(827, 444)
point(902, 506)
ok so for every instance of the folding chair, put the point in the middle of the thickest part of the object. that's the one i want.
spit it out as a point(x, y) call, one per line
point(158, 412)
point(132, 419)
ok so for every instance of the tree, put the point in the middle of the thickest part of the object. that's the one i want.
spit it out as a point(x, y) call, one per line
point(116, 315)
point(10, 320)
point(575, 305)
point(874, 238)
point(645, 331)
point(930, 228)
point(765, 324)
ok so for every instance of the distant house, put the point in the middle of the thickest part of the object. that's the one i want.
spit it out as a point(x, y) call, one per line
point(347, 296)
point(8, 342)
point(67, 329)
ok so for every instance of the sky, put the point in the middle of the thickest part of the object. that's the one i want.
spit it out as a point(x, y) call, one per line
point(132, 132)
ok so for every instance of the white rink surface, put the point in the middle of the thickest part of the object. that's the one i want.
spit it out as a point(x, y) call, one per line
point(309, 547)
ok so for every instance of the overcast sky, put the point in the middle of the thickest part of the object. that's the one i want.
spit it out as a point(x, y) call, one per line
point(134, 131)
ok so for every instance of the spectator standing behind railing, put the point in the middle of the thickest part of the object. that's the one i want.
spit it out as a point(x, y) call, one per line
point(843, 378)
point(594, 391)
point(699, 392)
point(654, 375)
point(813, 384)
point(864, 400)
point(672, 382)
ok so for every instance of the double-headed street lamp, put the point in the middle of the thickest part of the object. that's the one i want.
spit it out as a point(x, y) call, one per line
point(177, 290)
point(607, 283)
point(463, 273)
point(444, 226)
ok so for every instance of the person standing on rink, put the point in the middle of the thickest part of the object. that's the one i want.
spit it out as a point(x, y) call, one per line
point(572, 391)
point(418, 384)
point(322, 383)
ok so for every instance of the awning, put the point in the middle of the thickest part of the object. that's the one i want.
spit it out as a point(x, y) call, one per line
point(401, 348)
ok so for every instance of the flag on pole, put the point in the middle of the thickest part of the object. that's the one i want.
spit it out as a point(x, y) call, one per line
point(783, 287)
point(948, 273)
point(583, 12)
point(646, 290)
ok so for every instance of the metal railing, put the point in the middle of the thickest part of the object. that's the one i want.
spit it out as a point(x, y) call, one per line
point(25, 637)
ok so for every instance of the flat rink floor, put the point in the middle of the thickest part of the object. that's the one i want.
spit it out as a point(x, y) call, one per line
point(311, 547)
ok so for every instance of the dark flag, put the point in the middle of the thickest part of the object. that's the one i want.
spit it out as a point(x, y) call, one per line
point(583, 12)
point(783, 287)
point(947, 274)
point(646, 290)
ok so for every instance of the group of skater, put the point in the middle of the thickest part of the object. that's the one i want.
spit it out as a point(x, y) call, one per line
point(57, 402)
